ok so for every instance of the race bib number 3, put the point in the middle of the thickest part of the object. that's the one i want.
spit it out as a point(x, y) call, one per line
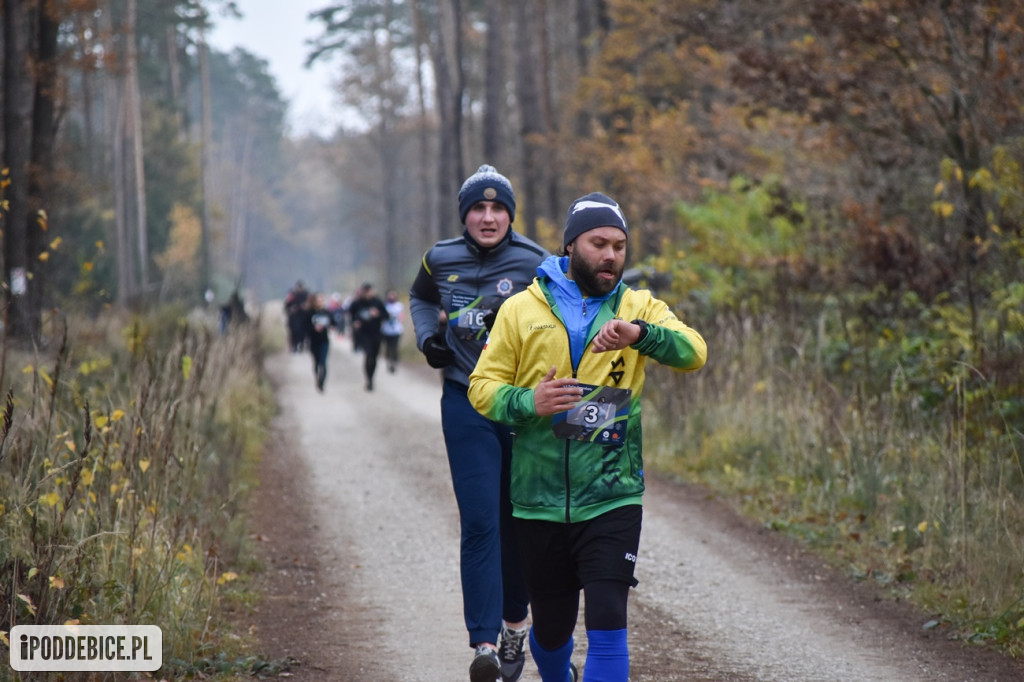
point(601, 416)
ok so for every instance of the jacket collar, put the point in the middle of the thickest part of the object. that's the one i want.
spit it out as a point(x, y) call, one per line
point(484, 251)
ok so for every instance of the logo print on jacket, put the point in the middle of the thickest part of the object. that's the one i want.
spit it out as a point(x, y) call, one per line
point(505, 286)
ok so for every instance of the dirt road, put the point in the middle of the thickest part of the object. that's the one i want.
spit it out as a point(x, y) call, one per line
point(360, 534)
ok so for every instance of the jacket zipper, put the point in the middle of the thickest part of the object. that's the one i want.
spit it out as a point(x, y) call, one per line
point(568, 485)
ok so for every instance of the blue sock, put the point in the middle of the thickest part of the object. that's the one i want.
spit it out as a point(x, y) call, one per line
point(553, 666)
point(607, 656)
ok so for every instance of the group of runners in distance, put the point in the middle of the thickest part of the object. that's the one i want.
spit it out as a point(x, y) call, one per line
point(553, 348)
point(373, 323)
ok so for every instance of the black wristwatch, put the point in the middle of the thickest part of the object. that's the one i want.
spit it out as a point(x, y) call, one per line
point(643, 329)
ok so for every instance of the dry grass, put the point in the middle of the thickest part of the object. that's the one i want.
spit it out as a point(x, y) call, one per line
point(925, 502)
point(121, 453)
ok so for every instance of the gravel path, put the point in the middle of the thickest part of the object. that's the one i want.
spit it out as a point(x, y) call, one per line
point(361, 541)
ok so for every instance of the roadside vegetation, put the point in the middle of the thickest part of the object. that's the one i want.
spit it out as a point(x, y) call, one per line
point(884, 431)
point(126, 455)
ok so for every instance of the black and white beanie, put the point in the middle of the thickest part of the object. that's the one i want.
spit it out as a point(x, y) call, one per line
point(487, 184)
point(592, 211)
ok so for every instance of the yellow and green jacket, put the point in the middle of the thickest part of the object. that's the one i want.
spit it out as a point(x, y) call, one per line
point(564, 480)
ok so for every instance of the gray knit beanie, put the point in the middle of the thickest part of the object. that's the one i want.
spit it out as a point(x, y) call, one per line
point(589, 212)
point(487, 184)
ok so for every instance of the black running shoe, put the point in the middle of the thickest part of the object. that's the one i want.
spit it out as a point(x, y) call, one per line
point(512, 653)
point(485, 666)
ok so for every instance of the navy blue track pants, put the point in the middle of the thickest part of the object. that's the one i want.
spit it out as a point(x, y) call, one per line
point(479, 455)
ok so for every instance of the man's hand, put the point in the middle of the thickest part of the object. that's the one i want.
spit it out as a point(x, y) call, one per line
point(615, 335)
point(437, 351)
point(555, 395)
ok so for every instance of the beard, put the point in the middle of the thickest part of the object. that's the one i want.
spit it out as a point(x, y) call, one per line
point(585, 274)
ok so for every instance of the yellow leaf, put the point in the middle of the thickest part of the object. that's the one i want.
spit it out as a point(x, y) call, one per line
point(227, 577)
point(44, 256)
point(3, 638)
point(980, 177)
point(55, 244)
point(56, 583)
point(99, 245)
point(940, 187)
point(50, 499)
point(113, 488)
point(118, 415)
point(71, 445)
point(942, 208)
point(144, 465)
point(100, 421)
point(46, 377)
point(922, 527)
point(28, 369)
point(186, 365)
point(87, 266)
point(72, 621)
point(28, 601)
point(87, 477)
point(32, 572)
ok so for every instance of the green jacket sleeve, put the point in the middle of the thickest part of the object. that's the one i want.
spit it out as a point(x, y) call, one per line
point(492, 390)
point(669, 341)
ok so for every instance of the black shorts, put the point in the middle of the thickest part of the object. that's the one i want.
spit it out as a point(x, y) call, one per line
point(559, 557)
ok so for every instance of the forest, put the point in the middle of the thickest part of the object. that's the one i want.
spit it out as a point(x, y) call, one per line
point(831, 192)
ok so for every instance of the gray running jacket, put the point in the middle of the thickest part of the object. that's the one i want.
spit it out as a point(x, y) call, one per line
point(468, 283)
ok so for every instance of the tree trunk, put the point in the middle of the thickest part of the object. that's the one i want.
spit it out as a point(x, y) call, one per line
point(459, 94)
point(175, 76)
point(550, 170)
point(433, 227)
point(240, 201)
point(587, 12)
point(449, 103)
point(206, 128)
point(389, 150)
point(494, 85)
point(44, 130)
point(134, 103)
point(114, 109)
point(18, 96)
point(531, 119)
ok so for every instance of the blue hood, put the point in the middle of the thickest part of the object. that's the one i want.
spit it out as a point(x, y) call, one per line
point(576, 312)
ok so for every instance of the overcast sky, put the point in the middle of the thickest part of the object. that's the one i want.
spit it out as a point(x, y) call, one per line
point(276, 30)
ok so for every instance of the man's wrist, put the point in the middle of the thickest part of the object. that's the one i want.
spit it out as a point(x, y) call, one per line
point(643, 330)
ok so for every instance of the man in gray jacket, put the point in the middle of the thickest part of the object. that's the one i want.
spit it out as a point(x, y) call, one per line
point(457, 291)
